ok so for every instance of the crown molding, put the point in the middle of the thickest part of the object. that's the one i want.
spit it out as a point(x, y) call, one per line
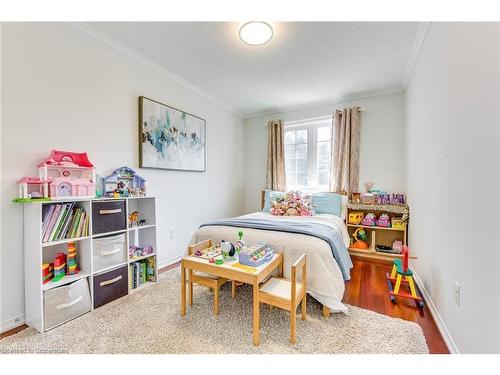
point(418, 42)
point(327, 101)
point(101, 37)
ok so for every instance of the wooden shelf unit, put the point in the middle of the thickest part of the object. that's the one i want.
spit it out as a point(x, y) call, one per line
point(378, 235)
point(37, 252)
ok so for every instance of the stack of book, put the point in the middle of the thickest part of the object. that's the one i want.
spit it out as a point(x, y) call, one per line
point(141, 272)
point(64, 220)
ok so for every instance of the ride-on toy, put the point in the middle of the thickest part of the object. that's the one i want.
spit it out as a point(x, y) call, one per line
point(400, 269)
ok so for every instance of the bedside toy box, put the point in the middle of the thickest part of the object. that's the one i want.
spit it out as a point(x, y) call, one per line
point(398, 223)
point(369, 220)
point(255, 255)
point(355, 218)
point(384, 221)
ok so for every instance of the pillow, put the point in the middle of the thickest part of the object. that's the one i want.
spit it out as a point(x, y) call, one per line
point(269, 197)
point(329, 203)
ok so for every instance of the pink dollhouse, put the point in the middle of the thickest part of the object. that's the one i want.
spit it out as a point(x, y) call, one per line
point(62, 175)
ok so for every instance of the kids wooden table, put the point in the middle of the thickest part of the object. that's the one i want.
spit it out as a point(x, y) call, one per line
point(226, 270)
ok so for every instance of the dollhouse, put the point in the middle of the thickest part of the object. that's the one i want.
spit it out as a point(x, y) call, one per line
point(124, 182)
point(62, 175)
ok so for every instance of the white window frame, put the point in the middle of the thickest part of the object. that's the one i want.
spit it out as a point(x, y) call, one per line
point(311, 125)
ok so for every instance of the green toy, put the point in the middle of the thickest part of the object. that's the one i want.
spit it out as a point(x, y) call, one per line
point(240, 235)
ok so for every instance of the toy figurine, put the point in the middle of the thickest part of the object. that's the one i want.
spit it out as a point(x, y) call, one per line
point(133, 218)
point(360, 237)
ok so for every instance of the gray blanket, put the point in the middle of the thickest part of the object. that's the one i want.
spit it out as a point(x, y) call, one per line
point(323, 232)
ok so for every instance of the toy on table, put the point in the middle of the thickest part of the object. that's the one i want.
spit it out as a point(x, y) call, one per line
point(208, 253)
point(355, 218)
point(384, 221)
point(240, 235)
point(72, 265)
point(124, 182)
point(398, 223)
point(47, 272)
point(369, 220)
point(256, 254)
point(400, 268)
point(62, 175)
point(59, 267)
point(360, 236)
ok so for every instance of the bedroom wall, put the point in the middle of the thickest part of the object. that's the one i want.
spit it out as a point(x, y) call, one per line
point(381, 154)
point(64, 89)
point(452, 155)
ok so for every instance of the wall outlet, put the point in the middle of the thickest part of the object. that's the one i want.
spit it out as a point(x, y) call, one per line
point(172, 233)
point(456, 293)
point(18, 320)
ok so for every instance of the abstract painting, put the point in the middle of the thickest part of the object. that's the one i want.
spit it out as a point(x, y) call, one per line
point(170, 138)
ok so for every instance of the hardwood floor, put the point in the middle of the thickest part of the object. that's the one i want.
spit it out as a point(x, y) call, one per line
point(368, 289)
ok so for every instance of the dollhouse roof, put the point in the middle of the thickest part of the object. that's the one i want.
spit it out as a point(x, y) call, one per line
point(117, 173)
point(67, 158)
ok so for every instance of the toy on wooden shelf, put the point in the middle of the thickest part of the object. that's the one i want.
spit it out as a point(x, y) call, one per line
point(397, 198)
point(124, 182)
point(59, 267)
point(397, 246)
point(400, 268)
point(369, 220)
point(398, 223)
point(384, 221)
point(355, 218)
point(360, 236)
point(62, 175)
point(356, 198)
point(72, 265)
point(47, 272)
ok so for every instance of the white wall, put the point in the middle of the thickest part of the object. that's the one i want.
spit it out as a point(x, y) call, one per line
point(453, 169)
point(381, 154)
point(63, 89)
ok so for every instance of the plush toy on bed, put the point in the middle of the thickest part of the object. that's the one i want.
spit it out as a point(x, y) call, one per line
point(291, 204)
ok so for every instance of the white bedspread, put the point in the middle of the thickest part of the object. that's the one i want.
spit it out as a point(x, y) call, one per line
point(324, 278)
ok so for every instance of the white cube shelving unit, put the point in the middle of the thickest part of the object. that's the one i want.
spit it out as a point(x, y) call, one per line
point(37, 252)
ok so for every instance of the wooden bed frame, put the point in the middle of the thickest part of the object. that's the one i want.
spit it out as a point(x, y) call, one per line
point(326, 310)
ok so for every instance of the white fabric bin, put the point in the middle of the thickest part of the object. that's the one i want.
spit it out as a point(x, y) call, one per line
point(66, 302)
point(109, 251)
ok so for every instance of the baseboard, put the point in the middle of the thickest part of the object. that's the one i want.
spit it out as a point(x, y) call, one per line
point(9, 324)
point(169, 262)
point(435, 314)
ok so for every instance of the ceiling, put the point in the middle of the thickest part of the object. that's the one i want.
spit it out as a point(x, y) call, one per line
point(305, 62)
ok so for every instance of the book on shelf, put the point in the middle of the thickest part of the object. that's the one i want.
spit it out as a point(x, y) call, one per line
point(64, 220)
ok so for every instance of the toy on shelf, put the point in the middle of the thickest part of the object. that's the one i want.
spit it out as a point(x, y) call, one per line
point(137, 252)
point(124, 182)
point(72, 265)
point(397, 246)
point(356, 198)
point(397, 198)
point(47, 272)
point(62, 175)
point(368, 198)
point(369, 220)
point(59, 267)
point(256, 254)
point(384, 221)
point(360, 236)
point(400, 268)
point(398, 223)
point(355, 218)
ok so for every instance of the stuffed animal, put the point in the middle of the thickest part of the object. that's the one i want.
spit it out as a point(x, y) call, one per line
point(291, 204)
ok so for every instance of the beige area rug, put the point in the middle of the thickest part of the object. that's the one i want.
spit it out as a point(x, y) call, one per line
point(149, 322)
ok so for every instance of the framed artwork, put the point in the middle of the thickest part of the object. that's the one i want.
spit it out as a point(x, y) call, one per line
point(170, 138)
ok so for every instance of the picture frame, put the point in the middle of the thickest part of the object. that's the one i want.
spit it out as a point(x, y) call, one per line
point(170, 138)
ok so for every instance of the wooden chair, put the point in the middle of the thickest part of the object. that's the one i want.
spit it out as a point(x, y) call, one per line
point(205, 279)
point(287, 294)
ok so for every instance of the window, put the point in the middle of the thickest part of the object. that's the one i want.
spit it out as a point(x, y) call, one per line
point(308, 154)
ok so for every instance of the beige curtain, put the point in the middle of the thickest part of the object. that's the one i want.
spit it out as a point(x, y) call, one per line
point(344, 170)
point(276, 179)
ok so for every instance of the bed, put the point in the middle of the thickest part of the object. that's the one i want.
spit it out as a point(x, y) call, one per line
point(323, 238)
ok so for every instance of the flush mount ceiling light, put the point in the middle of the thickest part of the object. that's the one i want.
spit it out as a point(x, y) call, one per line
point(256, 33)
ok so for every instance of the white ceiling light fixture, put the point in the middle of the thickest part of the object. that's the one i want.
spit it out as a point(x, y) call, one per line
point(256, 33)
